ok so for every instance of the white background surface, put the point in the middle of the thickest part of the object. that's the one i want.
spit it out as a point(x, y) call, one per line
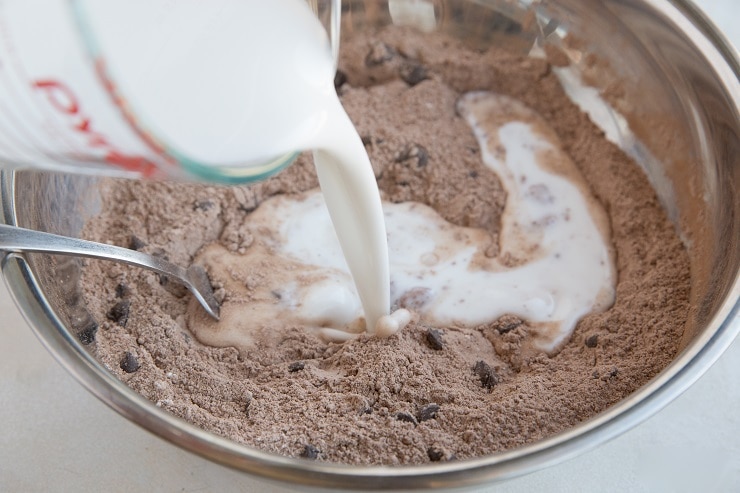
point(54, 436)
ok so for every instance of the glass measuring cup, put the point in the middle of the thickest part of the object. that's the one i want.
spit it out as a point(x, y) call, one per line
point(72, 73)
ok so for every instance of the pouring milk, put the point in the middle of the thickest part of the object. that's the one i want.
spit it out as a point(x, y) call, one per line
point(260, 78)
point(225, 88)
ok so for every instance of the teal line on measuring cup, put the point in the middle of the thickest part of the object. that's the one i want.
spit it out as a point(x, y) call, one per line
point(234, 174)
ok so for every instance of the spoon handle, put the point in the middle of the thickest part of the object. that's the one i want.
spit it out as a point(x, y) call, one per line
point(19, 240)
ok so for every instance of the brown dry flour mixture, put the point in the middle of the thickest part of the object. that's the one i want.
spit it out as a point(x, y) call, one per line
point(427, 393)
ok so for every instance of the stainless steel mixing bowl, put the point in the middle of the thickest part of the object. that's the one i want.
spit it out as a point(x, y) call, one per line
point(673, 67)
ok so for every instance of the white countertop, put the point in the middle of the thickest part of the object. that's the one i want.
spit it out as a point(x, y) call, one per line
point(57, 437)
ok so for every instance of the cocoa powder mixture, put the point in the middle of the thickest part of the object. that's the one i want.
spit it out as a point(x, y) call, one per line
point(427, 393)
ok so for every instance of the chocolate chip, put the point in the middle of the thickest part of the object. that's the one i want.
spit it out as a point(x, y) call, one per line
point(414, 152)
point(422, 158)
point(488, 376)
point(248, 402)
point(614, 372)
point(119, 313)
point(434, 339)
point(428, 412)
point(592, 341)
point(129, 363)
point(87, 334)
point(367, 140)
point(408, 418)
point(340, 78)
point(366, 410)
point(310, 452)
point(135, 243)
point(412, 73)
point(122, 290)
point(437, 454)
point(379, 54)
point(202, 205)
point(297, 366)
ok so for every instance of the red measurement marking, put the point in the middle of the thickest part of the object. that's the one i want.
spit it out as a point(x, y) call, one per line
point(127, 113)
point(59, 95)
point(127, 162)
point(64, 101)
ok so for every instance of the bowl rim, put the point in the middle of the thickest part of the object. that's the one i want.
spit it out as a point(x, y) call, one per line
point(672, 381)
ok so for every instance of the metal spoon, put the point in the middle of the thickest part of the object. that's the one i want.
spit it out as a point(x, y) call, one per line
point(18, 240)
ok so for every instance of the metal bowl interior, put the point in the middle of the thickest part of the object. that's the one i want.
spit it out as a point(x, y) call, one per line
point(675, 69)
